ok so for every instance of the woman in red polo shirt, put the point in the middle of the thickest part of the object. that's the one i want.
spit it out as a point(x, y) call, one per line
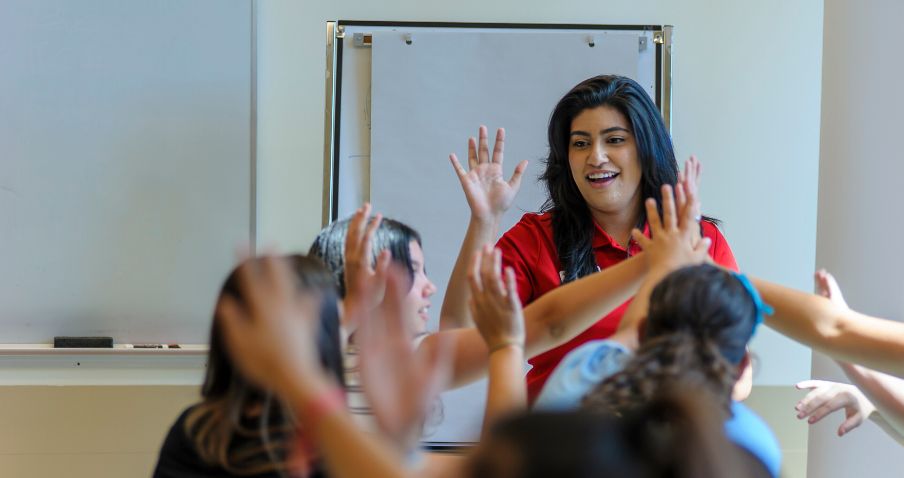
point(608, 150)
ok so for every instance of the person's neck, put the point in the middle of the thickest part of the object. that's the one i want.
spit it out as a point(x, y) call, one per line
point(618, 224)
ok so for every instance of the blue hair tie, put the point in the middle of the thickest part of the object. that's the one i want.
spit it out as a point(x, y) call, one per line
point(762, 308)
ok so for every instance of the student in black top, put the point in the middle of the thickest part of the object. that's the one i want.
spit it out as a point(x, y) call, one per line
point(239, 429)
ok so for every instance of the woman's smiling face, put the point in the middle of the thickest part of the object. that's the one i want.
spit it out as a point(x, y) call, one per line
point(602, 155)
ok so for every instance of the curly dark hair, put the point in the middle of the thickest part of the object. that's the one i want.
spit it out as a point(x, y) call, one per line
point(700, 320)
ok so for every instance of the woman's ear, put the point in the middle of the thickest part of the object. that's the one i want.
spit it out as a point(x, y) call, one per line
point(744, 385)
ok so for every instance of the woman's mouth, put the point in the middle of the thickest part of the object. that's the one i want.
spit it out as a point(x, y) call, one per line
point(601, 179)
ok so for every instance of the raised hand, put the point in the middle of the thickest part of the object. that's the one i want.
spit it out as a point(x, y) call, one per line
point(495, 307)
point(400, 386)
point(827, 397)
point(686, 195)
point(827, 286)
point(365, 281)
point(489, 195)
point(272, 334)
point(673, 242)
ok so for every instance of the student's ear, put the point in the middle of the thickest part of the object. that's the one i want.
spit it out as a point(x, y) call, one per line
point(744, 385)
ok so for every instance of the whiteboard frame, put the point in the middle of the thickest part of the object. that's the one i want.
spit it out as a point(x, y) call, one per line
point(335, 30)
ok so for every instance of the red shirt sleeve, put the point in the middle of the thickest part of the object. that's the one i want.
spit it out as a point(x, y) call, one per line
point(719, 250)
point(517, 244)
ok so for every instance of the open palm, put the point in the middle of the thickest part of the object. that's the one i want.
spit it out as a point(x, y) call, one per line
point(489, 195)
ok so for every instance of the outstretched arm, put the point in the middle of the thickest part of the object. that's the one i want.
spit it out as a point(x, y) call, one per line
point(489, 195)
point(842, 333)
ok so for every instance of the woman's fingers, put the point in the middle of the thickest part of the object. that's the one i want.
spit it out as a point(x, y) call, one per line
point(472, 153)
point(483, 149)
point(515, 181)
point(499, 146)
point(459, 170)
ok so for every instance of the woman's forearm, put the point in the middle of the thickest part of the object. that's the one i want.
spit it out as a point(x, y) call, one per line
point(568, 310)
point(454, 312)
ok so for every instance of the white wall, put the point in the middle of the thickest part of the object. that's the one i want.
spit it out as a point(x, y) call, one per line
point(860, 228)
point(745, 99)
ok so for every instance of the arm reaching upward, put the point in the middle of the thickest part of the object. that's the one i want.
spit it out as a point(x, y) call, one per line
point(489, 195)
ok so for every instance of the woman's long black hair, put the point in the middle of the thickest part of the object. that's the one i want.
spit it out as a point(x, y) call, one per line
point(571, 219)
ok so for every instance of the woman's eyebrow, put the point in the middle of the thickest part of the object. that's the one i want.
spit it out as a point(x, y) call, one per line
point(605, 131)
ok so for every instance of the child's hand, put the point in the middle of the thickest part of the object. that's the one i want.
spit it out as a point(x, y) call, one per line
point(272, 335)
point(495, 307)
point(365, 282)
point(489, 195)
point(827, 286)
point(673, 242)
point(400, 385)
point(827, 397)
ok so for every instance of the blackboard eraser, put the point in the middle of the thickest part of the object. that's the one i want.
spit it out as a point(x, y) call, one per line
point(83, 342)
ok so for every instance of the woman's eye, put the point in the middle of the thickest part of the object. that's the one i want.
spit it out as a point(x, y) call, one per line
point(615, 140)
point(579, 144)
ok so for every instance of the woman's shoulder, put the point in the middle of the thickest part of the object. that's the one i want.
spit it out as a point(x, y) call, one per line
point(711, 230)
point(533, 221)
point(532, 228)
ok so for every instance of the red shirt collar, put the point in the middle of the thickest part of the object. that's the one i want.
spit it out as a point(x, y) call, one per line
point(602, 239)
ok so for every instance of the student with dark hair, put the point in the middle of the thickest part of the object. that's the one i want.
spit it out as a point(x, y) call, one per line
point(671, 435)
point(609, 150)
point(239, 428)
point(698, 323)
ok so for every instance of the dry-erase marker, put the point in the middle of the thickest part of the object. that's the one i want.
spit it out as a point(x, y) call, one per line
point(152, 346)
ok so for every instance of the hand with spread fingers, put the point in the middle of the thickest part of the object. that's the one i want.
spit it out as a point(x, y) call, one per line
point(365, 281)
point(401, 386)
point(673, 242)
point(489, 194)
point(827, 397)
point(495, 305)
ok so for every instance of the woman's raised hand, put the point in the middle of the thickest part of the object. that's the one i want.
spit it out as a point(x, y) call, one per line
point(495, 306)
point(489, 195)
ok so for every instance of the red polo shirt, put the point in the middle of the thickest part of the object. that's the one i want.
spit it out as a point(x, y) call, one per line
point(528, 248)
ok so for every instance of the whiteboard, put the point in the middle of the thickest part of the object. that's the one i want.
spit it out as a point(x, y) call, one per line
point(126, 165)
point(418, 92)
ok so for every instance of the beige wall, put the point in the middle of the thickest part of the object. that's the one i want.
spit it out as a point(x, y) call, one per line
point(86, 431)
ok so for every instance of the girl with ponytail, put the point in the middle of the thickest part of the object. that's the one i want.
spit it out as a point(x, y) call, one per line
point(697, 327)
